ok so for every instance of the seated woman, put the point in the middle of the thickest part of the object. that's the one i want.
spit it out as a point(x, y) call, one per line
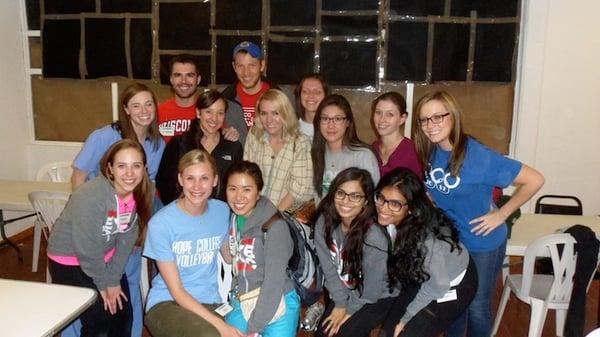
point(184, 239)
point(352, 250)
point(281, 152)
point(309, 93)
point(336, 145)
point(95, 234)
point(265, 301)
point(426, 259)
point(205, 134)
point(392, 149)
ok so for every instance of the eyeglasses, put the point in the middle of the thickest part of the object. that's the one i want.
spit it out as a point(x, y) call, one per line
point(393, 205)
point(337, 120)
point(435, 119)
point(354, 197)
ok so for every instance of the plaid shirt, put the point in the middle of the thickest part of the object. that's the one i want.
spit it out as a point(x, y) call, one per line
point(289, 171)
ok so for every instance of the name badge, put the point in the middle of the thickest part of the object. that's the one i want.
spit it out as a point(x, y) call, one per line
point(124, 219)
point(450, 295)
point(224, 309)
point(167, 130)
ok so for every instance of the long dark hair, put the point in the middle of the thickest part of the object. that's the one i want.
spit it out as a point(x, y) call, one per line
point(319, 144)
point(405, 262)
point(300, 111)
point(142, 194)
point(123, 125)
point(353, 248)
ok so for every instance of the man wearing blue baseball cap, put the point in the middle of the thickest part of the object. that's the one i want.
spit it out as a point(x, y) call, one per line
point(249, 66)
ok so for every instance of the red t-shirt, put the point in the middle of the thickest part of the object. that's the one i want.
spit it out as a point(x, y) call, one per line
point(174, 120)
point(249, 101)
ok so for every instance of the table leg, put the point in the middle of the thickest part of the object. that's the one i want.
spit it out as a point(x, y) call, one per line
point(6, 240)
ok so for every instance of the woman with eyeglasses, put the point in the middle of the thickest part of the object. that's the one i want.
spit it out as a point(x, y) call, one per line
point(460, 176)
point(392, 149)
point(336, 145)
point(352, 251)
point(427, 263)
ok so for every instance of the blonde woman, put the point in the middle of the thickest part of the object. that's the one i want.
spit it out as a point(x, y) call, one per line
point(281, 151)
point(184, 238)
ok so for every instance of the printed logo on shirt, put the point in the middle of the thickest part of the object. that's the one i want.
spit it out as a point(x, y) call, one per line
point(440, 180)
point(174, 127)
point(338, 261)
point(246, 256)
point(112, 225)
point(249, 116)
point(191, 253)
point(227, 157)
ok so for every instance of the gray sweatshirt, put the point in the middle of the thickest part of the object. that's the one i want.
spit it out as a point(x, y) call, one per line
point(89, 227)
point(374, 267)
point(442, 266)
point(262, 261)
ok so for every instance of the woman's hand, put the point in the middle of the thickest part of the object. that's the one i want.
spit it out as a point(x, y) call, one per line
point(226, 330)
point(398, 329)
point(335, 320)
point(113, 297)
point(231, 134)
point(487, 223)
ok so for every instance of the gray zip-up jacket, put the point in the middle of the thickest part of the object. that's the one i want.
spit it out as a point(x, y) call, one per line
point(374, 267)
point(262, 261)
point(89, 227)
point(442, 266)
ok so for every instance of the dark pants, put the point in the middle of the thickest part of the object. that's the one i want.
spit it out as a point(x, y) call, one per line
point(436, 317)
point(361, 322)
point(95, 321)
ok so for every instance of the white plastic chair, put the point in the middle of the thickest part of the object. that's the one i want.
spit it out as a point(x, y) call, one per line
point(144, 281)
point(543, 292)
point(59, 171)
point(224, 279)
point(47, 206)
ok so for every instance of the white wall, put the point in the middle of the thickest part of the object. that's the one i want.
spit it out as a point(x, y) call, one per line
point(14, 130)
point(558, 126)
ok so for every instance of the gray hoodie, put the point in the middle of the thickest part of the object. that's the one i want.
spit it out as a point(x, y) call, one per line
point(442, 266)
point(89, 227)
point(374, 267)
point(262, 261)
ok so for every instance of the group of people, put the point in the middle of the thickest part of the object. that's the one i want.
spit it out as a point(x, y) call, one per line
point(406, 232)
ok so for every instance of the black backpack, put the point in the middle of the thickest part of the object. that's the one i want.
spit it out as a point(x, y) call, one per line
point(303, 267)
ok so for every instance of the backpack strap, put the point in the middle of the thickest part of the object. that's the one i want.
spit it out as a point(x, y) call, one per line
point(265, 227)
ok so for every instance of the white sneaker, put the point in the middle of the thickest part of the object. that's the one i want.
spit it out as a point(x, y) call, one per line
point(312, 316)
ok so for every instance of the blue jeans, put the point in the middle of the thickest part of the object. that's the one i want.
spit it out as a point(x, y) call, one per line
point(478, 317)
point(132, 270)
point(286, 326)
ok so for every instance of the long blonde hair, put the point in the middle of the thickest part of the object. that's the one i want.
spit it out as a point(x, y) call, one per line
point(286, 113)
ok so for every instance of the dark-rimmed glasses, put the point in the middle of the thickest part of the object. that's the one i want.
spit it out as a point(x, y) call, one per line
point(354, 197)
point(435, 119)
point(393, 205)
point(337, 120)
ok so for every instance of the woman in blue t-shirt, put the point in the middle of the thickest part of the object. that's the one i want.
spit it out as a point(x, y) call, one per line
point(184, 239)
point(460, 175)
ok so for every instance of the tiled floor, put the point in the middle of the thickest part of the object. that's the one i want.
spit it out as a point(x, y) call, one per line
point(514, 324)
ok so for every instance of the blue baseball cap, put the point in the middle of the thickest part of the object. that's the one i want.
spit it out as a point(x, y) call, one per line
point(249, 47)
